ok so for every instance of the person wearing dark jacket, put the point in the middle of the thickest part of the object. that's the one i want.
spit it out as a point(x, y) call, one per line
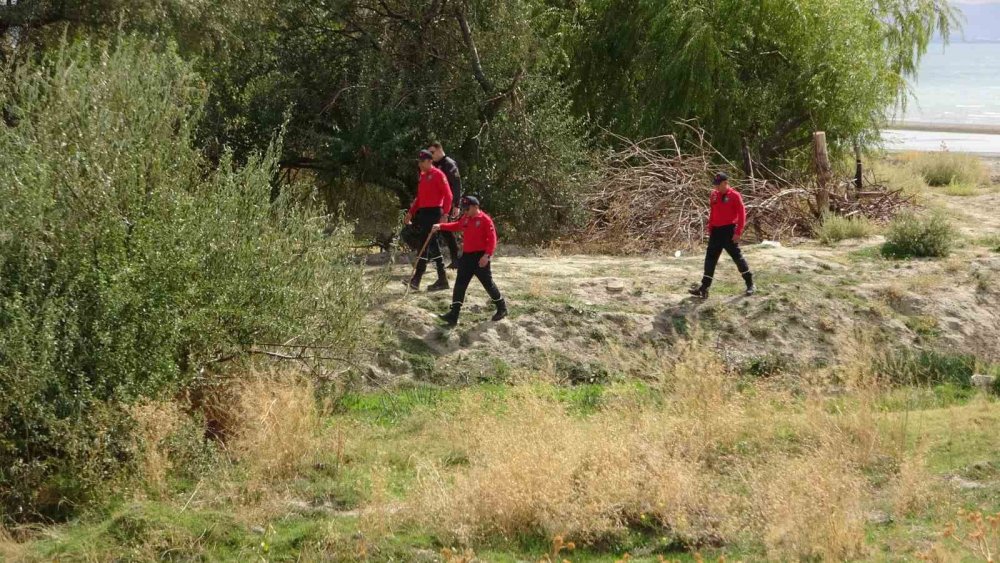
point(448, 165)
point(726, 220)
point(479, 242)
point(428, 209)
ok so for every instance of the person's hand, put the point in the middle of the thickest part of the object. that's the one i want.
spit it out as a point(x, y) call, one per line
point(484, 261)
point(736, 238)
point(455, 212)
point(409, 219)
point(444, 216)
point(436, 228)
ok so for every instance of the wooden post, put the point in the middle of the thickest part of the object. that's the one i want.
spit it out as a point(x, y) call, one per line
point(859, 175)
point(823, 173)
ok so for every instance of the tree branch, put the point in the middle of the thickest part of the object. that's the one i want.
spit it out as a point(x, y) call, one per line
point(470, 45)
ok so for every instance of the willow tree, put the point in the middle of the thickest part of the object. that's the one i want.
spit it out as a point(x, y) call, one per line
point(764, 72)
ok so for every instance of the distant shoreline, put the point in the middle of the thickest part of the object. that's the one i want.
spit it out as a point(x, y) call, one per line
point(945, 127)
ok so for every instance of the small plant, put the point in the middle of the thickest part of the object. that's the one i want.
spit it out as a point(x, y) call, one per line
point(835, 228)
point(948, 169)
point(960, 190)
point(916, 236)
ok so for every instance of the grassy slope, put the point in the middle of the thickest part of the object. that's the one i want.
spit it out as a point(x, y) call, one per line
point(351, 492)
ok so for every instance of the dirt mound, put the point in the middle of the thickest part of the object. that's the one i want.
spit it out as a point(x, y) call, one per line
point(570, 310)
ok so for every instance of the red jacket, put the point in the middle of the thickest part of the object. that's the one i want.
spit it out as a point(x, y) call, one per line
point(432, 191)
point(480, 235)
point(727, 209)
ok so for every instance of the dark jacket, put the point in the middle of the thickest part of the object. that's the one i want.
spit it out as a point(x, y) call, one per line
point(450, 169)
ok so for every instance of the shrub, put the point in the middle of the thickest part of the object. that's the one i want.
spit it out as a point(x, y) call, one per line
point(946, 168)
point(918, 236)
point(128, 265)
point(835, 228)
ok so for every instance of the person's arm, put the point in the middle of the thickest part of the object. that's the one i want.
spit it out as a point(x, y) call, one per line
point(452, 227)
point(491, 243)
point(741, 217)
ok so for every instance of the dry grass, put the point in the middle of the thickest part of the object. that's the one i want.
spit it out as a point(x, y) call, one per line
point(711, 466)
point(278, 423)
point(946, 168)
point(899, 175)
point(915, 490)
point(10, 550)
point(156, 423)
point(812, 508)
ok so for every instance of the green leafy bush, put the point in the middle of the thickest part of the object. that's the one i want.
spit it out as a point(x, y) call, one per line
point(835, 228)
point(912, 235)
point(128, 264)
point(950, 169)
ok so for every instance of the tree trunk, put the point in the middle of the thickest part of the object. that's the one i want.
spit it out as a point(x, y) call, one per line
point(823, 174)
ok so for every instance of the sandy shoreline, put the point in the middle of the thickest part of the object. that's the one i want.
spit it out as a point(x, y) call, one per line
point(982, 129)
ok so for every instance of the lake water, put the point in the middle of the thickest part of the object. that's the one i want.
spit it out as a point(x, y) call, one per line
point(958, 85)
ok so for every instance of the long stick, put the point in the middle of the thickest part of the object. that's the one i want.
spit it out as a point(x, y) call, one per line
point(419, 254)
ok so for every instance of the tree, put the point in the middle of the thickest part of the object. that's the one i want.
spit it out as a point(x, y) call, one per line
point(765, 72)
point(366, 83)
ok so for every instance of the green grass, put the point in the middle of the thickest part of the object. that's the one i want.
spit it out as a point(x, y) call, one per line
point(948, 169)
point(960, 190)
point(835, 228)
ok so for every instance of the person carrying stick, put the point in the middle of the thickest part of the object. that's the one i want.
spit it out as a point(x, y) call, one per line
point(431, 205)
point(479, 242)
point(726, 220)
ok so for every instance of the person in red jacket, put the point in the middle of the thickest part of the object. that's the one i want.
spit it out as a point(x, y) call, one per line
point(726, 221)
point(479, 242)
point(431, 206)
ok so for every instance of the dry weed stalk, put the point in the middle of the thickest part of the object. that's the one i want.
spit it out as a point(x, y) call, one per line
point(813, 508)
point(975, 533)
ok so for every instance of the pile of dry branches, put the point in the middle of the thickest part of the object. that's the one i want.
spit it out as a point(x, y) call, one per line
point(652, 196)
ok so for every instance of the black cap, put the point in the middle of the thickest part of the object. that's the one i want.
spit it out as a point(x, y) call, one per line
point(720, 178)
point(470, 200)
point(425, 155)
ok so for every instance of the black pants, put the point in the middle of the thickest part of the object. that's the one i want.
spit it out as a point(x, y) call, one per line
point(452, 241)
point(468, 267)
point(719, 239)
point(426, 218)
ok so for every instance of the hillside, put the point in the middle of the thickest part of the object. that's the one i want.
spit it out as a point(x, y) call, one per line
point(574, 307)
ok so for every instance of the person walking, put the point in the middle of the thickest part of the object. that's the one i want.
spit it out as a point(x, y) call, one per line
point(428, 209)
point(726, 220)
point(446, 164)
point(479, 242)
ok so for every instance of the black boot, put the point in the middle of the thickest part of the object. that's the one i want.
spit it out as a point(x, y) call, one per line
point(442, 282)
point(451, 317)
point(418, 273)
point(501, 311)
point(701, 292)
point(751, 288)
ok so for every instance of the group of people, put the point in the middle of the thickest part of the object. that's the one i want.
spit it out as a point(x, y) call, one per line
point(440, 208)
